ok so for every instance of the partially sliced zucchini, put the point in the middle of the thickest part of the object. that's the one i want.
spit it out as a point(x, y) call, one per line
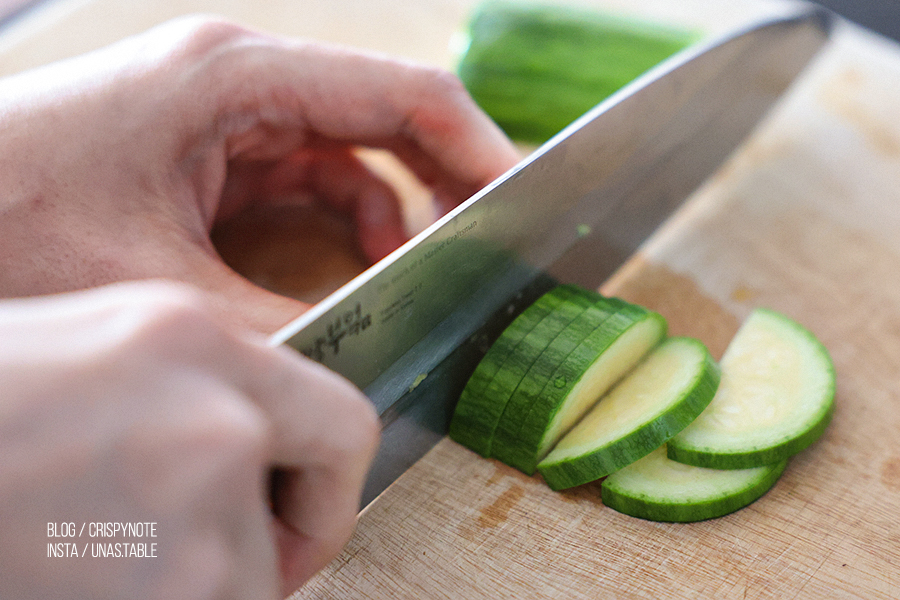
point(775, 399)
point(472, 424)
point(489, 388)
point(533, 385)
point(656, 400)
point(611, 349)
point(660, 489)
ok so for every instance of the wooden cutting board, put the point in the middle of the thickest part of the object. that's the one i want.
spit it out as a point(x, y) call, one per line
point(805, 219)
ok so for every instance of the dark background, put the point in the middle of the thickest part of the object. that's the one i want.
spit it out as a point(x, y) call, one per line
point(882, 16)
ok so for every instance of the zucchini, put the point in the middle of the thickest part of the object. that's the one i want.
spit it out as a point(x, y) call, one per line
point(535, 68)
point(659, 398)
point(506, 362)
point(776, 398)
point(595, 353)
point(660, 489)
point(581, 387)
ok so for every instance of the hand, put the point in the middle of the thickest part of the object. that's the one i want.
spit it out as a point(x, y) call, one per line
point(117, 164)
point(130, 404)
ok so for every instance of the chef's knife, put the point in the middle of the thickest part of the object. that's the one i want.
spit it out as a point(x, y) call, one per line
point(410, 330)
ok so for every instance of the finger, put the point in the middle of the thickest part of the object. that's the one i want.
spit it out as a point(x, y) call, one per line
point(126, 416)
point(334, 176)
point(323, 445)
point(433, 125)
point(380, 222)
point(344, 182)
point(288, 92)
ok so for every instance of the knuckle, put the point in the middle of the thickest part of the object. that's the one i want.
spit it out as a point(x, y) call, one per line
point(200, 34)
point(356, 410)
point(164, 317)
point(219, 444)
point(330, 417)
point(173, 311)
point(237, 426)
point(441, 82)
point(224, 61)
point(443, 103)
point(224, 429)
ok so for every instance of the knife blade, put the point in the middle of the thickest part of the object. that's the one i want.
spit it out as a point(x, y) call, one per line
point(411, 329)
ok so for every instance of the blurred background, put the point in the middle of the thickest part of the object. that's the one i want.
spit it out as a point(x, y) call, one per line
point(882, 16)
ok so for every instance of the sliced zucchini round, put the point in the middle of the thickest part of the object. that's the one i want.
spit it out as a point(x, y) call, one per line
point(660, 489)
point(656, 400)
point(490, 386)
point(775, 399)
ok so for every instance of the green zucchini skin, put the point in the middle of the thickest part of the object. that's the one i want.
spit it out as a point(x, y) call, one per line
point(488, 390)
point(475, 416)
point(512, 443)
point(749, 459)
point(693, 448)
point(683, 406)
point(535, 68)
point(648, 498)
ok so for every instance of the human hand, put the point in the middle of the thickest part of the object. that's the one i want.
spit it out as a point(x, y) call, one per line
point(131, 404)
point(117, 164)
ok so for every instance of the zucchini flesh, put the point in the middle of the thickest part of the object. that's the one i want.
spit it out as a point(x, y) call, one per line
point(659, 398)
point(537, 67)
point(659, 489)
point(776, 398)
point(488, 390)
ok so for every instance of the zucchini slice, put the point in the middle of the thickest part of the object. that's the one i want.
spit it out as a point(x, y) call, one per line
point(612, 347)
point(490, 386)
point(775, 399)
point(659, 489)
point(656, 400)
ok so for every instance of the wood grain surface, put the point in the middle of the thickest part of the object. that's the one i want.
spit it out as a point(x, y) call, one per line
point(804, 219)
